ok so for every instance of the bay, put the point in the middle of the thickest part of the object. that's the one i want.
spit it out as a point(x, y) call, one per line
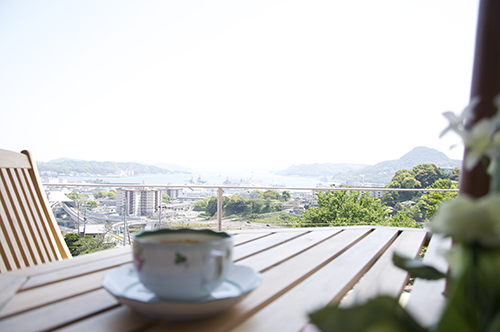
point(209, 177)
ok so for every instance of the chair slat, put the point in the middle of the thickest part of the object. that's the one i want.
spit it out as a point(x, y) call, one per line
point(10, 159)
point(59, 245)
point(29, 234)
point(10, 223)
point(31, 222)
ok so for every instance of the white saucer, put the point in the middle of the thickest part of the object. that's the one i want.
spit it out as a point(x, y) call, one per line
point(124, 284)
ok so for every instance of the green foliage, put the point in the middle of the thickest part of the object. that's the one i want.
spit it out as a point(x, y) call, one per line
point(285, 196)
point(91, 204)
point(433, 199)
point(71, 239)
point(105, 194)
point(455, 174)
point(406, 217)
point(208, 204)
point(211, 206)
point(382, 314)
point(200, 205)
point(427, 174)
point(272, 194)
point(416, 267)
point(75, 196)
point(259, 192)
point(344, 208)
point(87, 244)
point(237, 204)
point(165, 198)
point(421, 176)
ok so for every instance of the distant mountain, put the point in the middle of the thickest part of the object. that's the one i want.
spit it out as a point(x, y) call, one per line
point(384, 171)
point(81, 167)
point(378, 174)
point(319, 170)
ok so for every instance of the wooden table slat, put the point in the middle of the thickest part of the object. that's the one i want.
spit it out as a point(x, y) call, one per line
point(286, 250)
point(52, 293)
point(57, 314)
point(427, 300)
point(242, 238)
point(9, 285)
point(289, 312)
point(75, 261)
point(119, 319)
point(264, 243)
point(75, 271)
point(384, 278)
point(275, 282)
point(302, 269)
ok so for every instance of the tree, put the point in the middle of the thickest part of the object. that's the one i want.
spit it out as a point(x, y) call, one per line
point(91, 205)
point(269, 205)
point(100, 194)
point(344, 208)
point(201, 205)
point(285, 196)
point(403, 178)
point(272, 194)
point(405, 217)
point(87, 244)
point(257, 205)
point(105, 194)
point(455, 174)
point(236, 204)
point(71, 239)
point(165, 198)
point(259, 192)
point(433, 199)
point(75, 196)
point(211, 206)
point(427, 174)
point(112, 194)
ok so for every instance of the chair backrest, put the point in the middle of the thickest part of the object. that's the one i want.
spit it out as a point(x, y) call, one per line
point(29, 234)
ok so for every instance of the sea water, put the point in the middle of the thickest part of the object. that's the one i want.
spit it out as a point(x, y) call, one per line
point(236, 178)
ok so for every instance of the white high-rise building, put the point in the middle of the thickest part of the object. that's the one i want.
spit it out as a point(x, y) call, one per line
point(138, 202)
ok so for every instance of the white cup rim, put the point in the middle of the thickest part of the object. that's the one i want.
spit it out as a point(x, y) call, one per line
point(219, 237)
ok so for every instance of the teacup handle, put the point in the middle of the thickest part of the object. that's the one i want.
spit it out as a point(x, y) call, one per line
point(218, 256)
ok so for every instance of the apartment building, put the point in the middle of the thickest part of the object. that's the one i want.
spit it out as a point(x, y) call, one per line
point(138, 202)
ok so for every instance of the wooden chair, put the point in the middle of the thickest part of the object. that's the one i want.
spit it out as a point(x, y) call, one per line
point(29, 234)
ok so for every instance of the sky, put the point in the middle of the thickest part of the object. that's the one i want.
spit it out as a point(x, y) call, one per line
point(233, 84)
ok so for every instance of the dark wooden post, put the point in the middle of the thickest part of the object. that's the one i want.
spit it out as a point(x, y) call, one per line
point(485, 84)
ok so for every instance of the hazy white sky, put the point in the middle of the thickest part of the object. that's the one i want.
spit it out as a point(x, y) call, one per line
point(257, 84)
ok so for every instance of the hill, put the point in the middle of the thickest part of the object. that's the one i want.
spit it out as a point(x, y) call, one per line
point(384, 171)
point(83, 167)
point(378, 174)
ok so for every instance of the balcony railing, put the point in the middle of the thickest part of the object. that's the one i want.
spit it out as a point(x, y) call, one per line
point(220, 189)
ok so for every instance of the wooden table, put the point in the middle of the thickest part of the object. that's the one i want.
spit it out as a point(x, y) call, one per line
point(303, 269)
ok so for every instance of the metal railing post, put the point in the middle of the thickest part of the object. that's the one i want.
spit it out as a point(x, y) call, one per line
point(219, 208)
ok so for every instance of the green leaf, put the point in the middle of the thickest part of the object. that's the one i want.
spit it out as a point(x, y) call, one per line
point(382, 314)
point(416, 267)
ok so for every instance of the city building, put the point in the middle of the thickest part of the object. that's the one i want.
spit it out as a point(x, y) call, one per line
point(138, 202)
point(173, 193)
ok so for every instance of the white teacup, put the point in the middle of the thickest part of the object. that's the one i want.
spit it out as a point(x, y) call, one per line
point(183, 264)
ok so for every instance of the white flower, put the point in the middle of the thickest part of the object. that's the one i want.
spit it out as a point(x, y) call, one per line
point(470, 220)
point(479, 141)
point(457, 122)
point(482, 140)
